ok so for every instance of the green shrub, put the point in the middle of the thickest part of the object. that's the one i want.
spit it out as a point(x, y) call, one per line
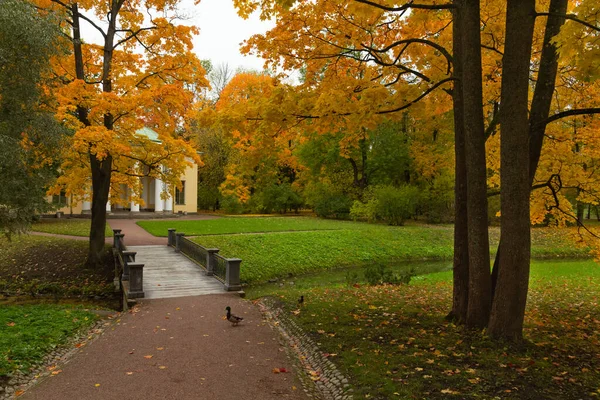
point(389, 204)
point(437, 201)
point(276, 198)
point(333, 205)
point(232, 205)
point(209, 198)
point(379, 274)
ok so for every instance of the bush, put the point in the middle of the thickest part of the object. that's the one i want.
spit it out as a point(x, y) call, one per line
point(276, 198)
point(208, 198)
point(379, 274)
point(232, 205)
point(437, 202)
point(333, 205)
point(388, 204)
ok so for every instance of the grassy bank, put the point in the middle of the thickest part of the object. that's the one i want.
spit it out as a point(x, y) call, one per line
point(393, 341)
point(38, 265)
point(280, 253)
point(66, 226)
point(29, 332)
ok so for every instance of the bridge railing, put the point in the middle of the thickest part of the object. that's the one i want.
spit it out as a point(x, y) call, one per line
point(226, 270)
point(132, 273)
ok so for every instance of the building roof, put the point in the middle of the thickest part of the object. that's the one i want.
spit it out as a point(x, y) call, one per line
point(149, 133)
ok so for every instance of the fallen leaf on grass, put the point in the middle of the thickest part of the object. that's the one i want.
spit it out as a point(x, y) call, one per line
point(449, 391)
point(19, 392)
point(10, 324)
point(148, 356)
point(160, 348)
point(56, 372)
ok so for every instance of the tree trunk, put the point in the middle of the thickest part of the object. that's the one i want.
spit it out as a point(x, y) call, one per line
point(479, 253)
point(101, 173)
point(544, 88)
point(460, 297)
point(508, 308)
point(101, 168)
point(542, 99)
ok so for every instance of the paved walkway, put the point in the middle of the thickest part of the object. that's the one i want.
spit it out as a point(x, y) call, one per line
point(134, 234)
point(178, 348)
point(171, 274)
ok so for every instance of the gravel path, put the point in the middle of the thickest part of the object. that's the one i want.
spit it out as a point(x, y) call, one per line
point(178, 349)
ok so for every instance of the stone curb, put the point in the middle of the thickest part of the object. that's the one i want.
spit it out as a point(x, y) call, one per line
point(320, 377)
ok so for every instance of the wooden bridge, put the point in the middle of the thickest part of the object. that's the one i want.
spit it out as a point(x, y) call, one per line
point(179, 268)
point(168, 273)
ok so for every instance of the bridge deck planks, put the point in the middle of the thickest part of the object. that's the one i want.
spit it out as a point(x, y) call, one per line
point(171, 274)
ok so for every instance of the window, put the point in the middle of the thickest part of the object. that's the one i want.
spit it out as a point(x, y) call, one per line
point(180, 194)
point(60, 200)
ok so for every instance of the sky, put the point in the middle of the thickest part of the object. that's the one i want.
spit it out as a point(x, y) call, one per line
point(222, 31)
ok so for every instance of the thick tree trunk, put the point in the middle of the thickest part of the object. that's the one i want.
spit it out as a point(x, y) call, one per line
point(96, 244)
point(101, 173)
point(544, 88)
point(101, 168)
point(479, 254)
point(460, 297)
point(508, 308)
point(542, 98)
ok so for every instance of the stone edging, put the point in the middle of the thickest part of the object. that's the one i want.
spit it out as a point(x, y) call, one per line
point(21, 382)
point(320, 377)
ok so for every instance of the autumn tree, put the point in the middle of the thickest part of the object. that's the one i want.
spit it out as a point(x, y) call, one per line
point(367, 58)
point(141, 74)
point(261, 158)
point(28, 132)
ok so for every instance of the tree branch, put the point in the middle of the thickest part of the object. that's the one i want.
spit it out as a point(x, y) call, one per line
point(571, 17)
point(569, 113)
point(408, 5)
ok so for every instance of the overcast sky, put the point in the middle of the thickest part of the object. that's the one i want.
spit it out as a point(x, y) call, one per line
point(222, 31)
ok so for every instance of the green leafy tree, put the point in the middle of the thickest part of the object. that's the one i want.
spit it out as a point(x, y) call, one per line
point(28, 132)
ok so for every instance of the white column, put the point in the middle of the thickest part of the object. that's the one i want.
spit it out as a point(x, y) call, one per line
point(158, 202)
point(108, 208)
point(169, 201)
point(86, 207)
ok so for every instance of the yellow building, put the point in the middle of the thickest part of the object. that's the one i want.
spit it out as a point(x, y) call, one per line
point(178, 201)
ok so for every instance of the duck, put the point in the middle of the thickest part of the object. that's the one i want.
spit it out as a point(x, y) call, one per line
point(234, 319)
point(301, 301)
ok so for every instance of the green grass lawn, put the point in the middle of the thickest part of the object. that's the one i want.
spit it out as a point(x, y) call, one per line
point(393, 341)
point(225, 225)
point(29, 332)
point(66, 226)
point(282, 251)
point(267, 256)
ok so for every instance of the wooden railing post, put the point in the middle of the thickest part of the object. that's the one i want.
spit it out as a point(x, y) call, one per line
point(119, 242)
point(178, 238)
point(232, 275)
point(136, 280)
point(115, 233)
point(210, 261)
point(128, 258)
point(171, 237)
